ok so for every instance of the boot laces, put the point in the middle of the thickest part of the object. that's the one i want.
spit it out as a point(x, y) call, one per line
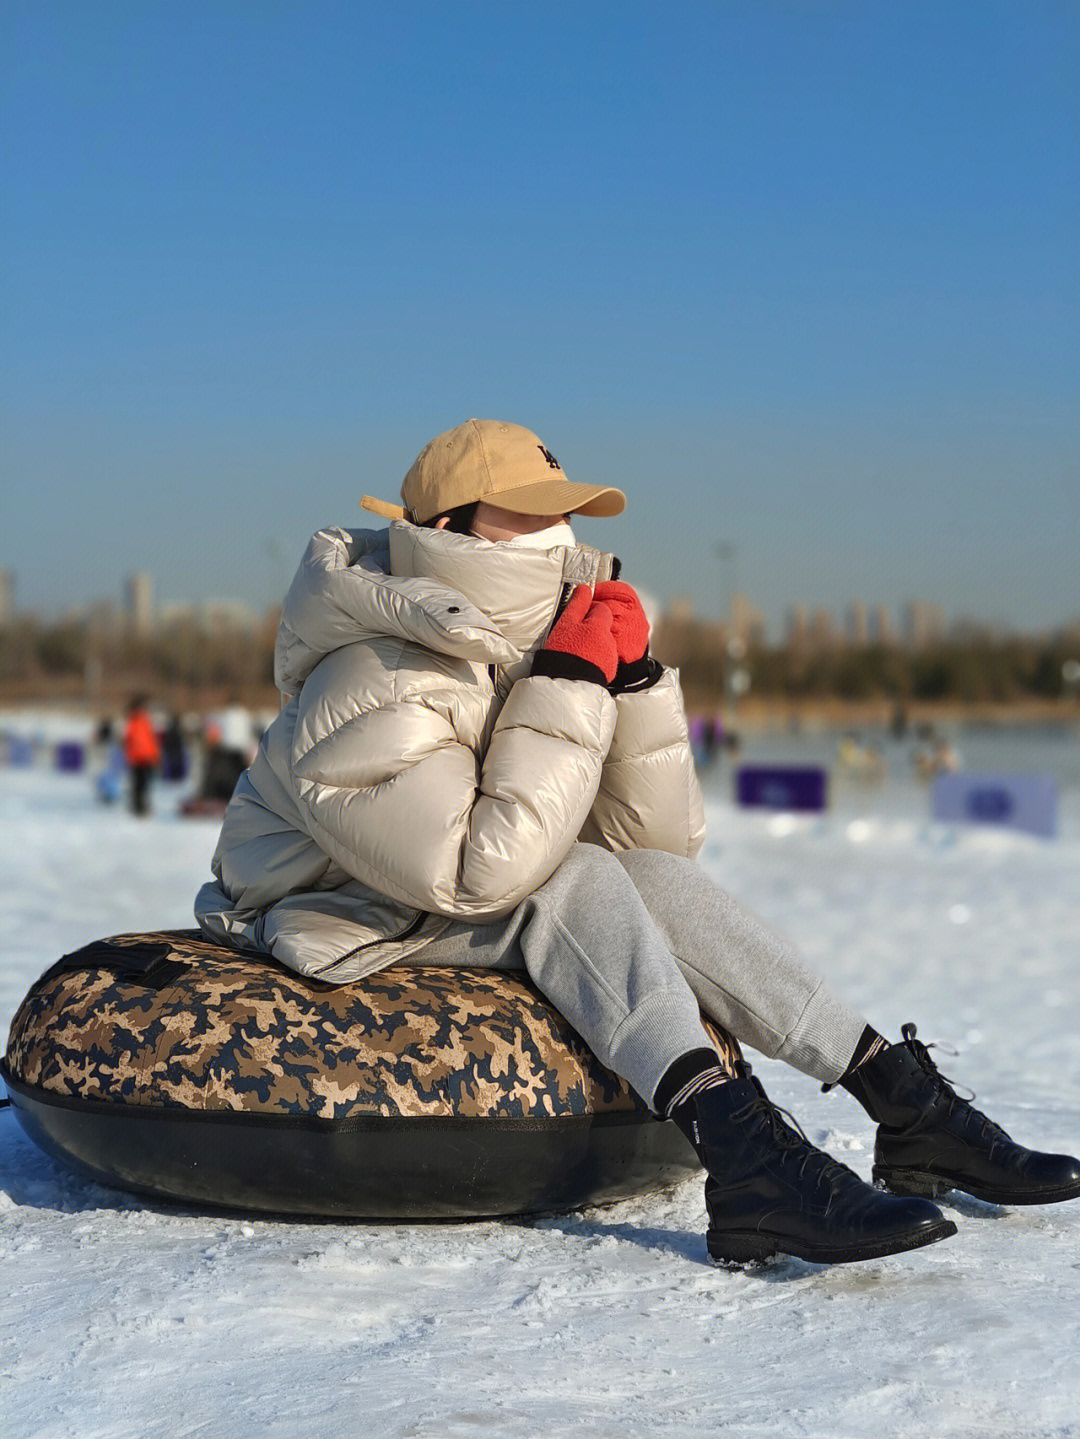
point(944, 1086)
point(788, 1133)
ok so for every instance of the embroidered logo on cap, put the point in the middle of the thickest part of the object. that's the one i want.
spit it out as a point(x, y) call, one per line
point(552, 461)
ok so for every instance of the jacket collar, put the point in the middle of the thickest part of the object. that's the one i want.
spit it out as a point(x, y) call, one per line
point(419, 585)
point(519, 590)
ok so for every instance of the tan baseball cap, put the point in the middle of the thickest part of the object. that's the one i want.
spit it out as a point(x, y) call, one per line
point(488, 460)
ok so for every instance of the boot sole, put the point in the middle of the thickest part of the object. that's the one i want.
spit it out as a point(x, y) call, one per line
point(735, 1248)
point(921, 1184)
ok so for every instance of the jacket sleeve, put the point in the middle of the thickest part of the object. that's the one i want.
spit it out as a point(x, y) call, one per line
point(649, 797)
point(398, 797)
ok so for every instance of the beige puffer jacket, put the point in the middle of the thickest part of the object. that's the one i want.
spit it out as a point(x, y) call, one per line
point(419, 773)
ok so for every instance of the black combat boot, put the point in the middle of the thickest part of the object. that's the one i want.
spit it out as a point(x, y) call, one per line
point(769, 1191)
point(929, 1140)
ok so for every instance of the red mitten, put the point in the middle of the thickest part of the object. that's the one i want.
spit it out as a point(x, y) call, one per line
point(580, 645)
point(630, 629)
point(629, 624)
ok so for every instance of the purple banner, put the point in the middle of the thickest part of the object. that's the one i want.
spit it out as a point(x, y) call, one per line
point(20, 752)
point(781, 787)
point(70, 757)
point(1016, 801)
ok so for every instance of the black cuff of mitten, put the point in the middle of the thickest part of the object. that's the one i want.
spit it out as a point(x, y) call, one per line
point(559, 665)
point(638, 675)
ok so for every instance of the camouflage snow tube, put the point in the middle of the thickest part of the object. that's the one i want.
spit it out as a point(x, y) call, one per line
point(168, 1065)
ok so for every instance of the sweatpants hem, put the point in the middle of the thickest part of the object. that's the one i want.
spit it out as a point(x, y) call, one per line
point(824, 1039)
point(652, 1037)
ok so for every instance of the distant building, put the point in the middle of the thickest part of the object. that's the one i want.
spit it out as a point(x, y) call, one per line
point(673, 632)
point(747, 622)
point(227, 614)
point(103, 617)
point(176, 612)
point(967, 631)
point(139, 603)
point(857, 625)
point(823, 631)
point(213, 614)
point(680, 610)
point(924, 624)
point(797, 627)
point(884, 631)
point(7, 596)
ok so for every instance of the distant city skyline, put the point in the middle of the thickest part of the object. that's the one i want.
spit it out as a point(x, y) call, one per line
point(801, 279)
point(915, 624)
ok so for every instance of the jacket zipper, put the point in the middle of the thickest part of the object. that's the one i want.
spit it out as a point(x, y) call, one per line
point(409, 929)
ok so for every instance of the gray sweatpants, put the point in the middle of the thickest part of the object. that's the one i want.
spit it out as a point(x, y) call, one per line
point(631, 946)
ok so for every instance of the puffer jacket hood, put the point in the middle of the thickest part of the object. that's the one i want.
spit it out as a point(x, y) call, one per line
point(419, 772)
point(418, 585)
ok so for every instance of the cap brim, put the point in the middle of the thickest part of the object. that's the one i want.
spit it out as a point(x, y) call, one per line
point(560, 497)
point(382, 507)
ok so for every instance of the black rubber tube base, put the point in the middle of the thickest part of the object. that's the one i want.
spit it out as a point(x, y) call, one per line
point(366, 1167)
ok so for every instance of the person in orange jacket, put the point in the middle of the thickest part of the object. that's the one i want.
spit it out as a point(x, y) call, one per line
point(142, 751)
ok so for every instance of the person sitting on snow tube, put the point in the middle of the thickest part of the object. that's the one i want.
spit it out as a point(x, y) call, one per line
point(479, 763)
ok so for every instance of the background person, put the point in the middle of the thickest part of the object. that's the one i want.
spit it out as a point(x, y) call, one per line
point(142, 751)
point(236, 731)
point(174, 756)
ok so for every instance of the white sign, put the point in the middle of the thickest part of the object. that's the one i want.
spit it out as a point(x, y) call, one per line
point(1017, 801)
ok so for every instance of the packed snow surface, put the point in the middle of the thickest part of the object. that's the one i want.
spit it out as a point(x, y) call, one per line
point(124, 1317)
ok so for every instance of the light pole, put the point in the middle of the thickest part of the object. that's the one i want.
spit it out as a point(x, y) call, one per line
point(727, 554)
point(278, 580)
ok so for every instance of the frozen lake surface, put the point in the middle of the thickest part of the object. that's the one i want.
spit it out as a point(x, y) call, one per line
point(127, 1318)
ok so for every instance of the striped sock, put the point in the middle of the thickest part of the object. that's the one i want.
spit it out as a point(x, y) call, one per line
point(728, 1052)
point(707, 1079)
point(870, 1043)
point(689, 1076)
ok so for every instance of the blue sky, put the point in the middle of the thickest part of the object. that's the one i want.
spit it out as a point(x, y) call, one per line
point(800, 277)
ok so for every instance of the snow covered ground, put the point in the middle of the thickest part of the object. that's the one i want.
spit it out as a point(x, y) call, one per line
point(128, 1318)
